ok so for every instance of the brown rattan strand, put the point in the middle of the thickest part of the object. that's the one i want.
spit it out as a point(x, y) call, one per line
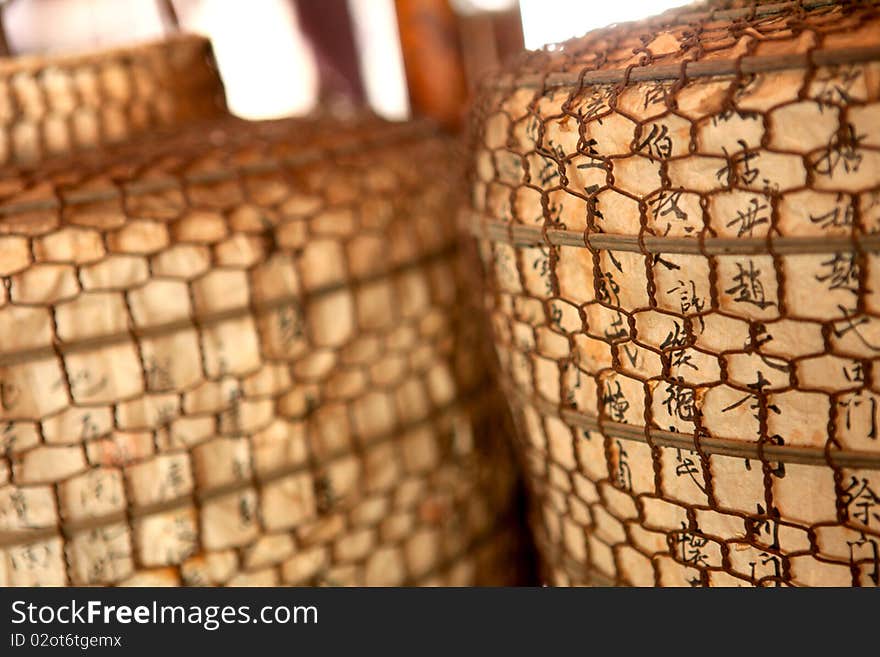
point(691, 66)
point(744, 66)
point(520, 235)
point(706, 444)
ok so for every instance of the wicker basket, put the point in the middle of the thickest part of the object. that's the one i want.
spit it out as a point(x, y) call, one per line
point(236, 353)
point(679, 220)
point(52, 106)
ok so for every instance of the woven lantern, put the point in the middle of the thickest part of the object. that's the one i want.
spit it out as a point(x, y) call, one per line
point(63, 104)
point(679, 221)
point(234, 353)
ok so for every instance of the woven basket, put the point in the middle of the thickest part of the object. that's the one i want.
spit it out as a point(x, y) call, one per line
point(679, 220)
point(236, 353)
point(57, 105)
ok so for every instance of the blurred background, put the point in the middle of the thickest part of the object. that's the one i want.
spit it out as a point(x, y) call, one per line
point(400, 57)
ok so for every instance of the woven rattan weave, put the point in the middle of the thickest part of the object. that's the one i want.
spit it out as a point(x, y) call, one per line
point(60, 104)
point(679, 220)
point(240, 353)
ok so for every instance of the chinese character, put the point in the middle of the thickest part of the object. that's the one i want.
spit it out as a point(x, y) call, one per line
point(683, 359)
point(9, 395)
point(746, 220)
point(686, 466)
point(174, 482)
point(324, 493)
point(779, 470)
point(870, 545)
point(594, 163)
point(842, 150)
point(548, 173)
point(594, 106)
point(853, 402)
point(861, 496)
point(656, 93)
point(668, 203)
point(616, 329)
point(186, 537)
point(290, 323)
point(855, 373)
point(83, 383)
point(615, 401)
point(556, 317)
point(836, 88)
point(232, 415)
point(245, 510)
point(33, 557)
point(89, 428)
point(608, 289)
point(591, 149)
point(105, 538)
point(175, 475)
point(158, 374)
point(731, 170)
point(725, 115)
point(749, 288)
point(8, 438)
point(533, 129)
point(631, 356)
point(679, 402)
point(541, 264)
point(165, 415)
point(658, 142)
point(760, 338)
point(764, 558)
point(853, 324)
point(842, 272)
point(758, 386)
point(691, 545)
point(675, 338)
point(570, 395)
point(688, 299)
point(834, 218)
point(765, 525)
point(19, 504)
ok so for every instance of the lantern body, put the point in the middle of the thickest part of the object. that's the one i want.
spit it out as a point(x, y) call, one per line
point(235, 353)
point(678, 220)
point(57, 105)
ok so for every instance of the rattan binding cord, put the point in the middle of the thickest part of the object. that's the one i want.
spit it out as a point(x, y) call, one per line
point(679, 223)
point(236, 353)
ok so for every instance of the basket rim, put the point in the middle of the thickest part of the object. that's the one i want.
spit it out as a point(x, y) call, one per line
point(36, 63)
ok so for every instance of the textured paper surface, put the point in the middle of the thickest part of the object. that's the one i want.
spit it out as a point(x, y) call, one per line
point(55, 105)
point(774, 346)
point(237, 354)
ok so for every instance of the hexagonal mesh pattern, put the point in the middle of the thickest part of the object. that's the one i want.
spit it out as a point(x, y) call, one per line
point(61, 104)
point(679, 221)
point(240, 353)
